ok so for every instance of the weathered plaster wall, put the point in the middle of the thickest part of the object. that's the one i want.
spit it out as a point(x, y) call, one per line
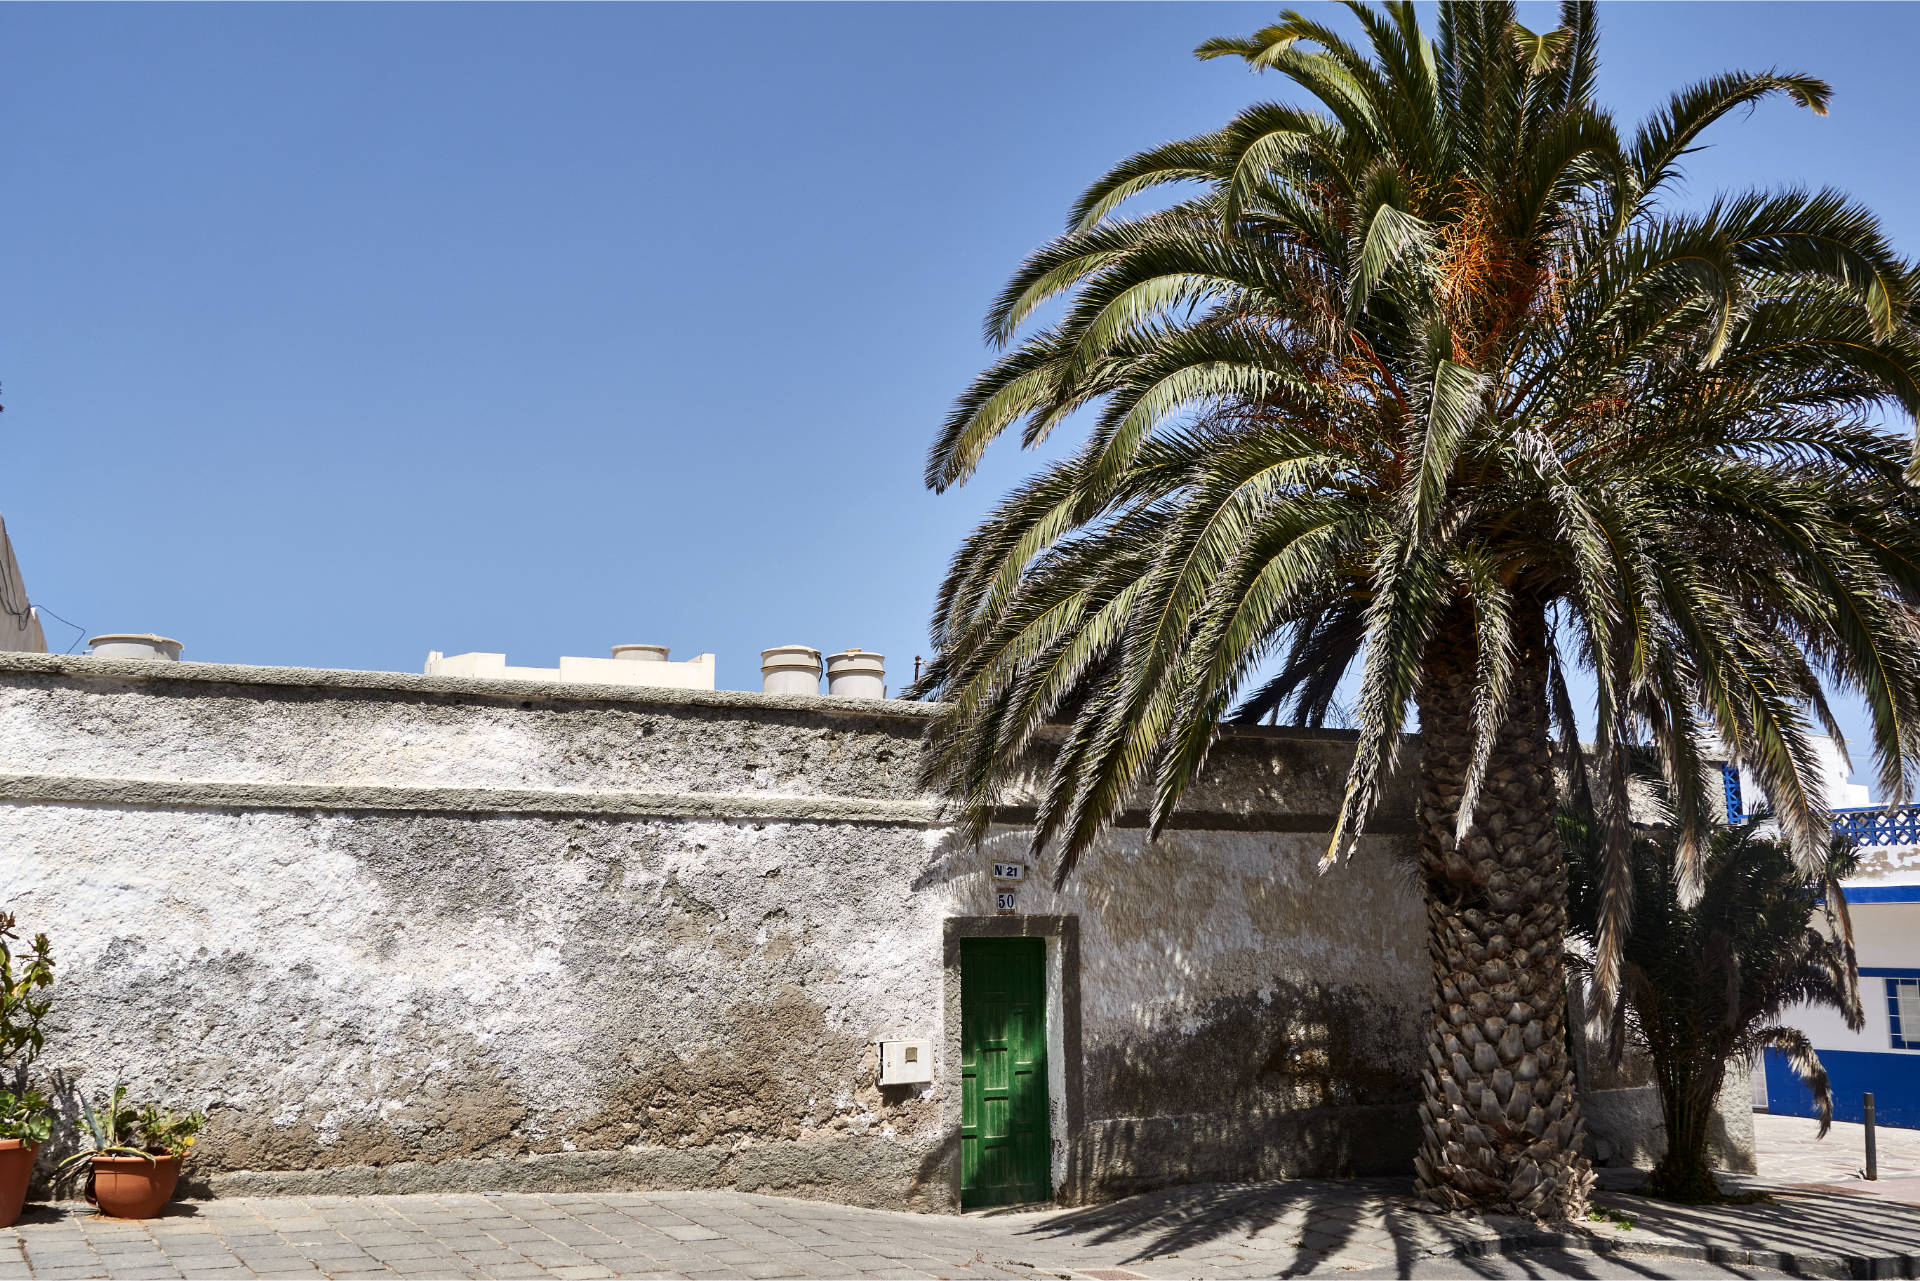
point(1621, 1106)
point(401, 932)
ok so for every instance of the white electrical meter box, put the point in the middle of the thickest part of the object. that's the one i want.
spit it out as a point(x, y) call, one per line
point(906, 1062)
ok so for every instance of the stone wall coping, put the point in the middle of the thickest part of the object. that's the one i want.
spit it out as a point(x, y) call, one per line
point(348, 681)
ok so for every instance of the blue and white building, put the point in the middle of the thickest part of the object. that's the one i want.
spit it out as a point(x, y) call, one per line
point(1883, 1058)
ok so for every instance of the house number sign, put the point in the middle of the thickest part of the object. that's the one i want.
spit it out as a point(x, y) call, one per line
point(1006, 879)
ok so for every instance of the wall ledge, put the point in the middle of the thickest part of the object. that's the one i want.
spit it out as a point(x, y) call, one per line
point(161, 793)
point(116, 791)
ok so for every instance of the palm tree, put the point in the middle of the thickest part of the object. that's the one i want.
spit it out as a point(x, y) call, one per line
point(1426, 378)
point(1705, 984)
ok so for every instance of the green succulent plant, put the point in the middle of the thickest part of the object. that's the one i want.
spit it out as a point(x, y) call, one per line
point(118, 1128)
point(25, 1003)
point(25, 1115)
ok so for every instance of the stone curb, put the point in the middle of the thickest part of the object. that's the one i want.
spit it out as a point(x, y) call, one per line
point(1791, 1262)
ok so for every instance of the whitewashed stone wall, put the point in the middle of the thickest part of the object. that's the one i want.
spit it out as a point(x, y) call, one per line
point(407, 933)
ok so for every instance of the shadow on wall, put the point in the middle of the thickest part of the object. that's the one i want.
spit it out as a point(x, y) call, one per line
point(1305, 1080)
point(1297, 1045)
point(1246, 1014)
point(1621, 1106)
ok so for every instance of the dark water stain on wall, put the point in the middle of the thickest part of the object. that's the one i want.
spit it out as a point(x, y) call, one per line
point(764, 1071)
point(469, 1114)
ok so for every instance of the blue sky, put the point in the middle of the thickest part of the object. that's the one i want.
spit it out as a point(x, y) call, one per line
point(338, 333)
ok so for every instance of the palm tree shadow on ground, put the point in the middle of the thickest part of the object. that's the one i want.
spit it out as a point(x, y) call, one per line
point(1312, 1219)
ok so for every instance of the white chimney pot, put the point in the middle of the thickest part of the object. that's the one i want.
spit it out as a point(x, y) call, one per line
point(135, 645)
point(642, 653)
point(855, 673)
point(790, 669)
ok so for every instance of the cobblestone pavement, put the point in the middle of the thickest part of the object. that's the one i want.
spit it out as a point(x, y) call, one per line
point(1357, 1227)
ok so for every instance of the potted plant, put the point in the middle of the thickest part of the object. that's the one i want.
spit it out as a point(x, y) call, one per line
point(25, 1122)
point(134, 1161)
point(25, 1118)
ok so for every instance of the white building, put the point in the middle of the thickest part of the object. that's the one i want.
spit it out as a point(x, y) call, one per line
point(642, 665)
point(1883, 1058)
point(19, 622)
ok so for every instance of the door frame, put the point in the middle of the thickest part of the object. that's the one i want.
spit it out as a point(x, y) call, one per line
point(1061, 935)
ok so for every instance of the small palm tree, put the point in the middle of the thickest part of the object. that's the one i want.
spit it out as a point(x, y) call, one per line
point(1704, 984)
point(1423, 376)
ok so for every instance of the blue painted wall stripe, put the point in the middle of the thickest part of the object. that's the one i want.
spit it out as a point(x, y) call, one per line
point(1892, 1079)
point(1883, 894)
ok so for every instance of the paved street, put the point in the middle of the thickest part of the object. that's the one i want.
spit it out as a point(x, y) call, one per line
point(1358, 1227)
point(1820, 1214)
point(1787, 1151)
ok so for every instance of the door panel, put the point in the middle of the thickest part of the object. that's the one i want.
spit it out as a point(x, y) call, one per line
point(1004, 1144)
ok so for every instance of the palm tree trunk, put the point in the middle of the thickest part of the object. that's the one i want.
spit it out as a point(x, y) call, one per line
point(1501, 1124)
point(1687, 1103)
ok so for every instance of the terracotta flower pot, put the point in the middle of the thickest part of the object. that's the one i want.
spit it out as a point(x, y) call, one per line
point(16, 1167)
point(128, 1187)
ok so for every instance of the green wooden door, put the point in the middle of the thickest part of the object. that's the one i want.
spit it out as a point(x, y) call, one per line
point(1004, 1148)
